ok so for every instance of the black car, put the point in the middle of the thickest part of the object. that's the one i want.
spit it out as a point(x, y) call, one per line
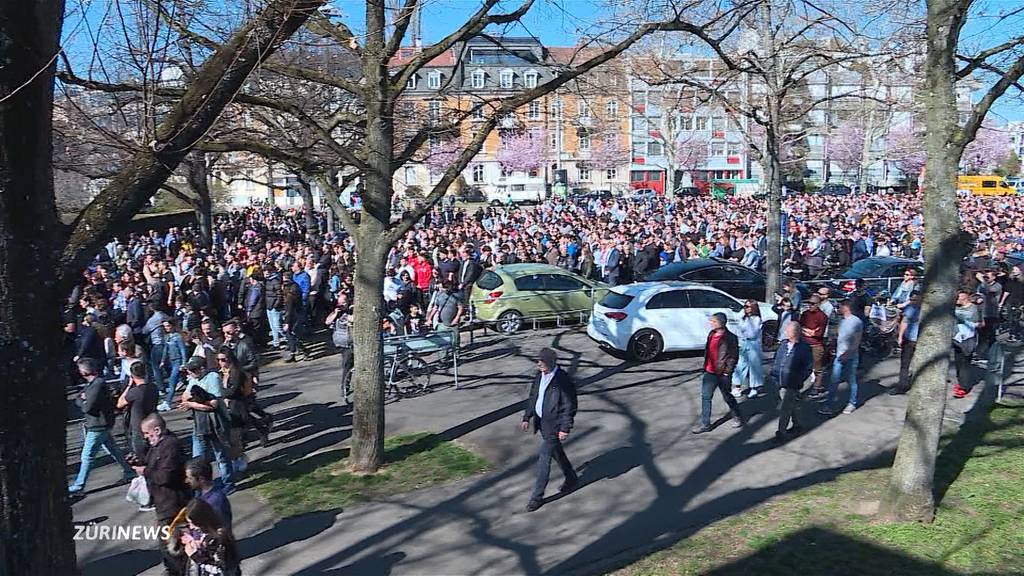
point(831, 189)
point(687, 191)
point(881, 274)
point(729, 277)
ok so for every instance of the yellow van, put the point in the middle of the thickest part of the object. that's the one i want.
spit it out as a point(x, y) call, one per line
point(985, 185)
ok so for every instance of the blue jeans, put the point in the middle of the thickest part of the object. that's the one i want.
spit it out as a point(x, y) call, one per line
point(172, 381)
point(156, 359)
point(749, 366)
point(203, 445)
point(274, 319)
point(708, 385)
point(843, 370)
point(94, 440)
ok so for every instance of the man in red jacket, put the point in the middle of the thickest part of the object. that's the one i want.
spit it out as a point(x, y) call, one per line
point(720, 355)
point(813, 324)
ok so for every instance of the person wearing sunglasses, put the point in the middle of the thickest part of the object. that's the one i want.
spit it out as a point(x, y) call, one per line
point(748, 367)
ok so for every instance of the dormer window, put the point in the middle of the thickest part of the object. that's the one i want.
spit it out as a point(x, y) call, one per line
point(478, 79)
point(530, 79)
point(411, 83)
point(505, 79)
point(434, 80)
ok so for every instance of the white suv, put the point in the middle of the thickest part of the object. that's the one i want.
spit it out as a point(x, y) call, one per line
point(649, 318)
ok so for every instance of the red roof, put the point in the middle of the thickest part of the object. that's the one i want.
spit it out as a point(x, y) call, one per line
point(406, 54)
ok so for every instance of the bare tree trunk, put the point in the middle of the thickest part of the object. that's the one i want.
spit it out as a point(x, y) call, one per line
point(773, 252)
point(35, 520)
point(308, 209)
point(368, 414)
point(199, 181)
point(910, 492)
point(865, 152)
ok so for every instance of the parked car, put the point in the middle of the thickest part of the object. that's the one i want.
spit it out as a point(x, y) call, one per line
point(688, 191)
point(649, 318)
point(472, 194)
point(510, 294)
point(727, 276)
point(832, 189)
point(882, 274)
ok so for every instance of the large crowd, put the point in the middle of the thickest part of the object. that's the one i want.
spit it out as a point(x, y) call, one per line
point(162, 322)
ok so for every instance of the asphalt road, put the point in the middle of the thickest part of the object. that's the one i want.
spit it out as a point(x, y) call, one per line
point(647, 482)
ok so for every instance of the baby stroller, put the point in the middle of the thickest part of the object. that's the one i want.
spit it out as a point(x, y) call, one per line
point(881, 330)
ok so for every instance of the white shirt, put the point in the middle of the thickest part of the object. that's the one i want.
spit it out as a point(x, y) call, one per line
point(545, 380)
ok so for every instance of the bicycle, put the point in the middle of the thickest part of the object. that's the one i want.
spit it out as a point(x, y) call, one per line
point(407, 367)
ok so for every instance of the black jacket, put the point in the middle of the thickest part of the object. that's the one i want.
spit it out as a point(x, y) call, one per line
point(559, 409)
point(88, 343)
point(135, 315)
point(165, 476)
point(272, 292)
point(728, 353)
point(791, 368)
point(468, 273)
point(98, 405)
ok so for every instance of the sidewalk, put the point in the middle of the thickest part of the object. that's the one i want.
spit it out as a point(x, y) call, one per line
point(646, 481)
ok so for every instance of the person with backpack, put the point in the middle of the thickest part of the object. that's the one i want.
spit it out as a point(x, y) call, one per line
point(340, 322)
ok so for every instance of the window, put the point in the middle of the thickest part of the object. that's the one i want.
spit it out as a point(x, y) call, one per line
point(554, 139)
point(669, 300)
point(709, 299)
point(584, 109)
point(562, 283)
point(612, 108)
point(505, 78)
point(478, 173)
point(434, 80)
point(637, 176)
point(717, 123)
point(654, 149)
point(584, 174)
point(534, 113)
point(478, 113)
point(701, 123)
point(533, 173)
point(410, 175)
point(611, 174)
point(489, 281)
point(505, 172)
point(717, 148)
point(988, 183)
point(435, 109)
point(556, 108)
point(610, 300)
point(478, 79)
point(519, 187)
point(685, 122)
point(433, 140)
point(530, 79)
point(654, 176)
point(734, 148)
point(533, 282)
point(584, 141)
point(411, 82)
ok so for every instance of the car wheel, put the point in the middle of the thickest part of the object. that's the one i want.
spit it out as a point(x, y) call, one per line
point(509, 322)
point(769, 335)
point(646, 345)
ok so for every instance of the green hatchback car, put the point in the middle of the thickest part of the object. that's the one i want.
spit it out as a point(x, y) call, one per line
point(510, 294)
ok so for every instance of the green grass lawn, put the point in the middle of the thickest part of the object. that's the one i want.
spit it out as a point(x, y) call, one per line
point(830, 529)
point(323, 482)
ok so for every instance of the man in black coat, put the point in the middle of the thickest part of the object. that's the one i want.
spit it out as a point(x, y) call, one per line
point(164, 472)
point(793, 364)
point(551, 408)
point(469, 272)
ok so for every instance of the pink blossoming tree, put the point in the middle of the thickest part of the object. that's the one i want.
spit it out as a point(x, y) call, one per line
point(522, 151)
point(987, 152)
point(905, 148)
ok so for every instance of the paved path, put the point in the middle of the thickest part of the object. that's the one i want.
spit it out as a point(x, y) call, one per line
point(646, 480)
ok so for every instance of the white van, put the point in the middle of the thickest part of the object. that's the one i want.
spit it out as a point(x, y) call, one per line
point(521, 193)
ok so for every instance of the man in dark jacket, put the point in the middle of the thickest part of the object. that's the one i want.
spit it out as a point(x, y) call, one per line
point(469, 272)
point(720, 355)
point(97, 406)
point(793, 364)
point(274, 306)
point(164, 472)
point(254, 306)
point(551, 408)
point(135, 314)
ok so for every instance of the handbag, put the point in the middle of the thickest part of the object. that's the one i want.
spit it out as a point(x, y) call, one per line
point(138, 492)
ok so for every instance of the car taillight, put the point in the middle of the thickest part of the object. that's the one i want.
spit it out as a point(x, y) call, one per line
point(492, 297)
point(849, 286)
point(617, 316)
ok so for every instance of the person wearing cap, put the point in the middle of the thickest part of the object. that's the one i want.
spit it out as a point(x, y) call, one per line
point(551, 409)
point(721, 353)
point(813, 323)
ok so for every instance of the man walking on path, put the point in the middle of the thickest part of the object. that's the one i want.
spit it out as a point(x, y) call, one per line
point(792, 366)
point(164, 471)
point(720, 356)
point(813, 323)
point(551, 408)
point(97, 406)
point(907, 337)
point(847, 359)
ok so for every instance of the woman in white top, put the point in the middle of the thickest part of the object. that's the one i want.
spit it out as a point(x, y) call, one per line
point(749, 367)
point(965, 340)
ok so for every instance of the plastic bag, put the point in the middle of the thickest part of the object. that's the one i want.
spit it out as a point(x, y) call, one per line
point(138, 491)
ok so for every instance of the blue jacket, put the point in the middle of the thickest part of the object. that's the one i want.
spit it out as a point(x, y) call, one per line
point(302, 279)
point(792, 368)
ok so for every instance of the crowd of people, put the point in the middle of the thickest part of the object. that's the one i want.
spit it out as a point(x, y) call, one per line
point(165, 321)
